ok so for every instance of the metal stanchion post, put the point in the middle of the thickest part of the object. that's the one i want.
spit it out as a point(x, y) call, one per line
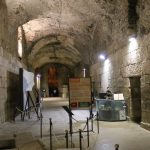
point(97, 122)
point(71, 130)
point(80, 139)
point(21, 116)
point(41, 124)
point(70, 116)
point(70, 123)
point(66, 136)
point(71, 140)
point(88, 140)
point(116, 146)
point(50, 133)
point(91, 124)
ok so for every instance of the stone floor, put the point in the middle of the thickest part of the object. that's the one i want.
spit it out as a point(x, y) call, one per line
point(128, 135)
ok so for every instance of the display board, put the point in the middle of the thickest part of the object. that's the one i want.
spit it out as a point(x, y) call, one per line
point(80, 92)
point(26, 84)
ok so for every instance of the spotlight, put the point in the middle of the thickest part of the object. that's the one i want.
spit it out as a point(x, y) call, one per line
point(84, 74)
point(38, 75)
point(102, 57)
point(133, 44)
point(132, 39)
point(43, 90)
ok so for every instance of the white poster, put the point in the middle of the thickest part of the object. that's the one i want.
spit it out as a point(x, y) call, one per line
point(28, 83)
point(28, 80)
point(118, 96)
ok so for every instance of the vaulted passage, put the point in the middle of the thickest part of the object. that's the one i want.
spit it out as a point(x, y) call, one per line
point(106, 42)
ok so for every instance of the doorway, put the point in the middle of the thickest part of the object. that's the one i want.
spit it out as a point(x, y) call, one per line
point(53, 82)
point(135, 103)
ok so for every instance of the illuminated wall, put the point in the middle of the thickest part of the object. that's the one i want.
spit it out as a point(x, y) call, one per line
point(133, 60)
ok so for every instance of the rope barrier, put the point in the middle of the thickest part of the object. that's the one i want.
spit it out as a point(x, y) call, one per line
point(19, 110)
point(53, 133)
point(83, 144)
point(27, 110)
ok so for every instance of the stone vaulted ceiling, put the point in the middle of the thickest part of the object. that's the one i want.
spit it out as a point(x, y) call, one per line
point(64, 31)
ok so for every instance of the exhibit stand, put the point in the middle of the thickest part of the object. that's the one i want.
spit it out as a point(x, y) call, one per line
point(111, 110)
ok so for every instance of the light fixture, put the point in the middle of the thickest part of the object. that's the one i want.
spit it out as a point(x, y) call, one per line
point(133, 44)
point(102, 57)
point(84, 74)
point(20, 45)
point(131, 39)
point(38, 77)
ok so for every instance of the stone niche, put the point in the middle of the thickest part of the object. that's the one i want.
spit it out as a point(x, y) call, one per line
point(12, 95)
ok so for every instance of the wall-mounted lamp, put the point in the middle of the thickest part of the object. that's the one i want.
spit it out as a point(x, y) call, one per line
point(102, 57)
point(20, 41)
point(84, 74)
point(131, 39)
point(20, 51)
point(38, 78)
point(133, 44)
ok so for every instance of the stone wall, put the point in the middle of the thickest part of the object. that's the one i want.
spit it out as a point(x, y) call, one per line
point(12, 94)
point(119, 67)
point(8, 85)
point(145, 81)
point(128, 59)
point(9, 64)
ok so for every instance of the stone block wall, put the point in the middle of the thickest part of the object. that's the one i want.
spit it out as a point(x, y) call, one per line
point(96, 78)
point(124, 62)
point(3, 94)
point(119, 67)
point(145, 81)
point(9, 64)
point(13, 99)
point(8, 85)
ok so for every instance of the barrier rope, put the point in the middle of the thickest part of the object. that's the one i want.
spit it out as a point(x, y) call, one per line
point(55, 136)
point(29, 109)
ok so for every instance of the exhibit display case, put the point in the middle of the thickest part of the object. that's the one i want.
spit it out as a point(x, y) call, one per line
point(111, 110)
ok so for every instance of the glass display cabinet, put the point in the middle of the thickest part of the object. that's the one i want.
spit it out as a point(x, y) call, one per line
point(111, 110)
